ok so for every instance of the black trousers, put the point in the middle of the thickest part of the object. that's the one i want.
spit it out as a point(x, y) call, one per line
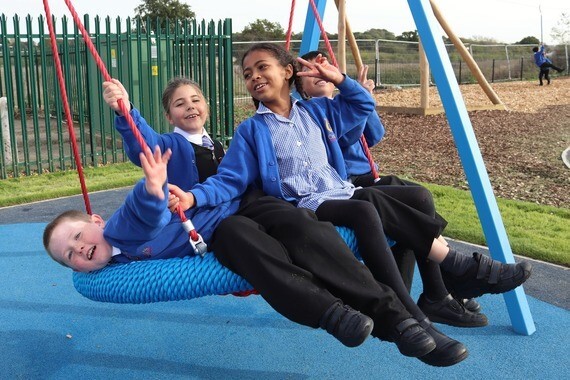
point(545, 71)
point(372, 212)
point(301, 266)
point(419, 198)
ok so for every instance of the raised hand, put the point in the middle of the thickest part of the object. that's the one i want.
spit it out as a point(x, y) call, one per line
point(112, 92)
point(320, 68)
point(154, 168)
point(362, 79)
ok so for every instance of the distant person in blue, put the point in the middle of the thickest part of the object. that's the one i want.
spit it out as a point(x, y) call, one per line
point(544, 64)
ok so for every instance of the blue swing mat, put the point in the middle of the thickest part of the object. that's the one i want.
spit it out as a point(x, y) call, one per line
point(168, 280)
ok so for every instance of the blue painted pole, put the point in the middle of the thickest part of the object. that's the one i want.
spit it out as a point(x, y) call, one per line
point(470, 155)
point(312, 32)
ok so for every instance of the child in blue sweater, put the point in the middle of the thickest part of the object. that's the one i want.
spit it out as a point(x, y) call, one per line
point(195, 154)
point(544, 64)
point(141, 229)
point(436, 301)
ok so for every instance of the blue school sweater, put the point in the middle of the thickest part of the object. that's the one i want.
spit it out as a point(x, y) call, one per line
point(251, 158)
point(354, 155)
point(144, 229)
point(182, 170)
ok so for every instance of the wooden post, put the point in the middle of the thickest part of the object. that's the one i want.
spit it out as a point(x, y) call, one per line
point(341, 36)
point(466, 56)
point(352, 42)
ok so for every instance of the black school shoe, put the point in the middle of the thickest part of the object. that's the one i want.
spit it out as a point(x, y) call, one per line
point(451, 312)
point(470, 304)
point(490, 277)
point(349, 326)
point(447, 352)
point(412, 340)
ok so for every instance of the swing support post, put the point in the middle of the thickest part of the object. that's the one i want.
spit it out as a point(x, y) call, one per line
point(470, 155)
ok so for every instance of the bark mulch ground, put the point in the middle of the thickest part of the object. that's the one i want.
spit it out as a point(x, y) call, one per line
point(521, 147)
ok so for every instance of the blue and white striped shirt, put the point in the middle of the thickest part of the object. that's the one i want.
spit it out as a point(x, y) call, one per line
point(302, 159)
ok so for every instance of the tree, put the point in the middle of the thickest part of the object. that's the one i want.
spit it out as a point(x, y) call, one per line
point(261, 30)
point(376, 34)
point(411, 36)
point(561, 32)
point(164, 9)
point(530, 40)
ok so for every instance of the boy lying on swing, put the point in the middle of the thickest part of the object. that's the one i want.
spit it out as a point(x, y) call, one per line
point(142, 228)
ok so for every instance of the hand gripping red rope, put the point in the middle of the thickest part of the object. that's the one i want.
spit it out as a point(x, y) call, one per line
point(196, 240)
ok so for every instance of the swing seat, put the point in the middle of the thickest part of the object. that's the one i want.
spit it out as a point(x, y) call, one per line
point(170, 279)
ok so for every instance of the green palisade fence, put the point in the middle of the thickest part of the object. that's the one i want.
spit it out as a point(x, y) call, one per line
point(143, 55)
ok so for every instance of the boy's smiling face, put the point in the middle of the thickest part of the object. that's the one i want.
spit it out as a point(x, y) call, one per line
point(316, 87)
point(81, 245)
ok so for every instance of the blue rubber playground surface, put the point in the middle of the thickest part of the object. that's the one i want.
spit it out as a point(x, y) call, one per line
point(49, 331)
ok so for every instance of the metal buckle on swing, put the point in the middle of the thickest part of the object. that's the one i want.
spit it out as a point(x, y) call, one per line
point(198, 245)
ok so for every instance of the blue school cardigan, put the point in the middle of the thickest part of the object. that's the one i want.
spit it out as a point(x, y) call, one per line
point(251, 159)
point(144, 229)
point(182, 170)
point(354, 155)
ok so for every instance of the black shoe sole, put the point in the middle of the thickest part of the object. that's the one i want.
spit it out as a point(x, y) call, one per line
point(456, 323)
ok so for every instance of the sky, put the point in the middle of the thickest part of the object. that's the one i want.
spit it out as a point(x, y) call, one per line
point(506, 21)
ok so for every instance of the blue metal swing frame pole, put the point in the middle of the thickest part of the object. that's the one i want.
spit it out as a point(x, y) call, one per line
point(467, 147)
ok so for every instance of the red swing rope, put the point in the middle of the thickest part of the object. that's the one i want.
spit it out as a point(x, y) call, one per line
point(363, 141)
point(290, 28)
point(323, 33)
point(67, 110)
point(99, 62)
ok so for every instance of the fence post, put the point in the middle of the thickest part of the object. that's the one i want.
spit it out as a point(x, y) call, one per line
point(460, 67)
point(522, 67)
point(493, 72)
point(377, 63)
point(566, 51)
point(5, 131)
point(508, 60)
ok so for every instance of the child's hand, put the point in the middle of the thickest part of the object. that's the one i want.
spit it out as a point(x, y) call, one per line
point(366, 83)
point(154, 167)
point(179, 198)
point(112, 92)
point(320, 68)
